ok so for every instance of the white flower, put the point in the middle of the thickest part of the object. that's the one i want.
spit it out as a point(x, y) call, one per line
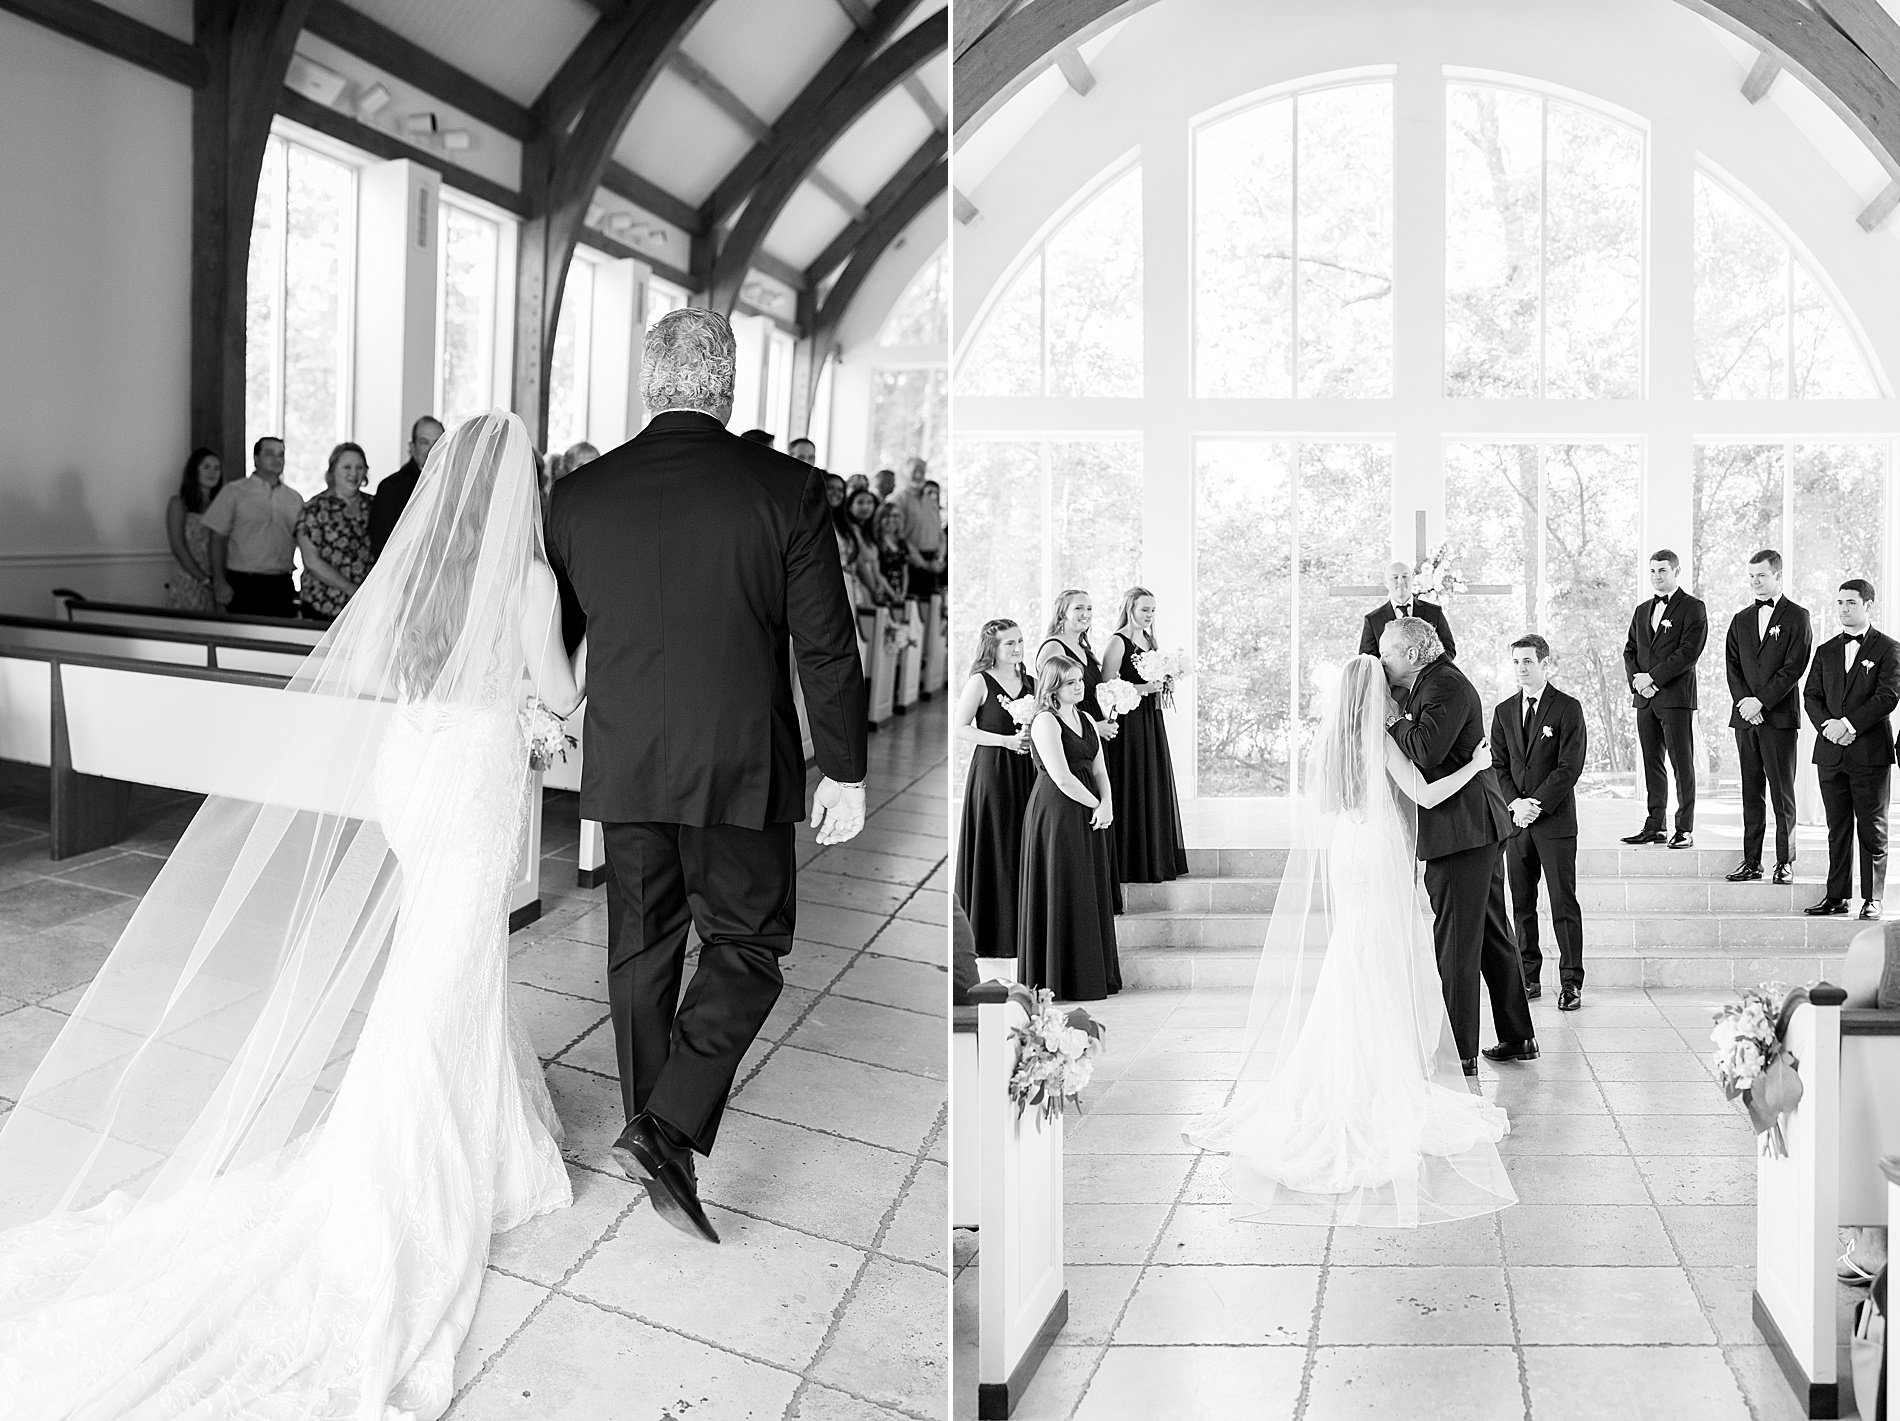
point(1867, 665)
point(1667, 624)
point(1547, 732)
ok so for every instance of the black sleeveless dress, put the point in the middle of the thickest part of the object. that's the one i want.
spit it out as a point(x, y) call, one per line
point(1090, 706)
point(1065, 933)
point(1149, 845)
point(990, 843)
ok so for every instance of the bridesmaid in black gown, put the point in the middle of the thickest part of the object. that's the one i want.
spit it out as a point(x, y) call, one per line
point(1068, 636)
point(996, 795)
point(1065, 931)
point(1149, 845)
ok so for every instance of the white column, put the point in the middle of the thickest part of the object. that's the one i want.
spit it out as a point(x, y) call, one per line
point(395, 308)
point(613, 392)
point(1668, 476)
point(1418, 308)
point(748, 386)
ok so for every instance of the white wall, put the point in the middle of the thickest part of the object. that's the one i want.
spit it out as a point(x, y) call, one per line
point(95, 231)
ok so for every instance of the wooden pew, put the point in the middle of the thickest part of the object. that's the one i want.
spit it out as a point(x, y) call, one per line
point(82, 610)
point(880, 666)
point(1848, 1118)
point(214, 648)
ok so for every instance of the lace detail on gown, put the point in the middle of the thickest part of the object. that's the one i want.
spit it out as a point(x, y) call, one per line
point(338, 1278)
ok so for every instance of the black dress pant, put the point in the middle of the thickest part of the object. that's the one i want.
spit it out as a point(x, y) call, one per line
point(1525, 857)
point(1472, 933)
point(1673, 731)
point(1767, 754)
point(262, 594)
point(738, 888)
point(1855, 798)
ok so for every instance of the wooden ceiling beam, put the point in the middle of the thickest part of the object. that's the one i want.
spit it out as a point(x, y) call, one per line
point(727, 102)
point(1761, 78)
point(622, 181)
point(778, 270)
point(860, 14)
point(1870, 28)
point(1075, 69)
point(107, 30)
point(1881, 208)
point(925, 190)
point(351, 30)
point(370, 139)
point(928, 154)
point(601, 242)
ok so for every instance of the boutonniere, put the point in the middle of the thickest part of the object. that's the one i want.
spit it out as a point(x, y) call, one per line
point(1867, 666)
point(1773, 632)
point(1667, 624)
point(1547, 732)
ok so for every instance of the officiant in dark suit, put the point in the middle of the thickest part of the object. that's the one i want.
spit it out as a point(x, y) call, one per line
point(1539, 744)
point(1666, 637)
point(1401, 603)
point(698, 560)
point(1769, 642)
point(1853, 687)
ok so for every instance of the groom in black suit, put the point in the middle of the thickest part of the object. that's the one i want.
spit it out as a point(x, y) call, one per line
point(1438, 724)
point(1666, 637)
point(1769, 642)
point(698, 559)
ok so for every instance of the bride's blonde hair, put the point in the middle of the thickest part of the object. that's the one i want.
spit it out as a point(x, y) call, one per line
point(1347, 763)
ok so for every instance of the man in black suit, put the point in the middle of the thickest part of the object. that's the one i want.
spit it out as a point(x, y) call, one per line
point(1666, 637)
point(697, 559)
point(392, 493)
point(1438, 724)
point(1769, 642)
point(1853, 687)
point(1538, 745)
point(1401, 603)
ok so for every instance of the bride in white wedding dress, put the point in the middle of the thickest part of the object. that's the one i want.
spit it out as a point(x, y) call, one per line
point(1352, 1107)
point(253, 1177)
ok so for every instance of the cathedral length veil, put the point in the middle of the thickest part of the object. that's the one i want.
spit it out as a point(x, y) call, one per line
point(1351, 1106)
point(200, 1063)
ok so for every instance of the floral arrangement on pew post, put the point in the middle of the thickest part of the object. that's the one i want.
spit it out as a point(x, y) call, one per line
point(1438, 576)
point(546, 734)
point(1752, 1059)
point(1167, 667)
point(1055, 1054)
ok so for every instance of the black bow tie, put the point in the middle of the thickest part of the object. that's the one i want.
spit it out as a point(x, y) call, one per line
point(1764, 601)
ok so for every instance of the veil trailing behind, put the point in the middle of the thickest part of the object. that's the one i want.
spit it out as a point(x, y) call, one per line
point(257, 1172)
point(1352, 1107)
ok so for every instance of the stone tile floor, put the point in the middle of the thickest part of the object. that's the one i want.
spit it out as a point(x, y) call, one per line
point(828, 1297)
point(1617, 1289)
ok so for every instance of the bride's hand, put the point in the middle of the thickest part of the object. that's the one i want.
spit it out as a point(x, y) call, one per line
point(1481, 756)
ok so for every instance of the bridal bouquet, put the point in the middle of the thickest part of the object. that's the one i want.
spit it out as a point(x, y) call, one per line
point(1164, 666)
point(1116, 697)
point(1055, 1054)
point(1022, 710)
point(546, 734)
point(1752, 1059)
point(1438, 576)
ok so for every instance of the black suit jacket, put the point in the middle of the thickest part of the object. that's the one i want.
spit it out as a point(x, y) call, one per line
point(1670, 655)
point(1382, 616)
point(694, 556)
point(1769, 669)
point(1865, 696)
point(1442, 724)
point(1545, 765)
point(385, 510)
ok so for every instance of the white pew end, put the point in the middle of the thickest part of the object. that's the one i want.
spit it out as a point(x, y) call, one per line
point(880, 667)
point(910, 662)
point(936, 647)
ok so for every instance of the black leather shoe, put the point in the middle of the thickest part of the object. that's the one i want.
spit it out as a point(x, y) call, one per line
point(1512, 1051)
point(1784, 873)
point(647, 1156)
point(1471, 1065)
point(1826, 908)
point(1533, 990)
point(1569, 999)
point(1682, 841)
point(1870, 911)
point(1645, 836)
point(1747, 873)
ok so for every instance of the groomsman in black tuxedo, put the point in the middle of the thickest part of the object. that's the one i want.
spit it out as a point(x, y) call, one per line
point(1853, 687)
point(1401, 603)
point(1667, 634)
point(1539, 744)
point(1769, 642)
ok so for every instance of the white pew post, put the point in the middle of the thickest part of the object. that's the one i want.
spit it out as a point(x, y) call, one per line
point(909, 663)
point(1890, 1170)
point(936, 647)
point(87, 811)
point(965, 1180)
point(593, 855)
point(880, 670)
point(524, 900)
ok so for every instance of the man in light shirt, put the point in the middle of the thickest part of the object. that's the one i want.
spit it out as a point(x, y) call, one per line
point(923, 529)
point(253, 527)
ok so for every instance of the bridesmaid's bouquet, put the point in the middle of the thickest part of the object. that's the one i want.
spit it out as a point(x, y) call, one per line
point(546, 734)
point(1167, 667)
point(1752, 1059)
point(1022, 710)
point(1055, 1054)
point(1116, 697)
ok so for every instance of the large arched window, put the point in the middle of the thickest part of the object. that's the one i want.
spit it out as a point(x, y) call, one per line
point(910, 385)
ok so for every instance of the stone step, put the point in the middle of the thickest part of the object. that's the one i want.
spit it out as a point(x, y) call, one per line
point(1649, 861)
point(1596, 895)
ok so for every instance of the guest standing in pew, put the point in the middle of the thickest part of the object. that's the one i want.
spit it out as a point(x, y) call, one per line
point(188, 589)
point(1401, 603)
point(253, 538)
point(1149, 845)
point(803, 450)
point(996, 794)
point(860, 510)
point(893, 552)
point(333, 536)
point(1852, 689)
point(1065, 922)
point(834, 490)
point(392, 494)
point(1666, 637)
point(1540, 744)
point(1769, 642)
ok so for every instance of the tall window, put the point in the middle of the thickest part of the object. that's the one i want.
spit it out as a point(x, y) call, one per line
point(468, 296)
point(910, 386)
point(572, 369)
point(1544, 277)
point(297, 314)
point(922, 314)
point(1293, 247)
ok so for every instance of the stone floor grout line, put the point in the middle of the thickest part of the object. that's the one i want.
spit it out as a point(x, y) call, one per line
point(1510, 1303)
point(1311, 1362)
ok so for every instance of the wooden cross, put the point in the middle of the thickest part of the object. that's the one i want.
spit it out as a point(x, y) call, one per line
point(1476, 589)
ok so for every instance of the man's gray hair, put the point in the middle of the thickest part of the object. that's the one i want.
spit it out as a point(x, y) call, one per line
point(1419, 637)
point(688, 362)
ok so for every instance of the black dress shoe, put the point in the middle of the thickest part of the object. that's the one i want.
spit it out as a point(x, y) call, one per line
point(1569, 999)
point(1645, 836)
point(1870, 911)
point(1784, 873)
point(1512, 1051)
point(1826, 908)
point(1471, 1065)
point(1533, 990)
point(1747, 873)
point(644, 1152)
point(1682, 840)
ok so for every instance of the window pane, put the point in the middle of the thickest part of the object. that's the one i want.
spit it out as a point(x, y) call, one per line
point(1006, 356)
point(1345, 510)
point(1828, 364)
point(1093, 269)
point(1737, 495)
point(1491, 510)
point(908, 416)
point(263, 312)
point(1741, 298)
point(1243, 244)
point(1345, 242)
point(573, 339)
point(922, 314)
point(1243, 540)
point(1593, 281)
point(1838, 522)
point(997, 489)
point(470, 257)
point(319, 232)
point(1591, 518)
point(1095, 507)
point(1493, 150)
